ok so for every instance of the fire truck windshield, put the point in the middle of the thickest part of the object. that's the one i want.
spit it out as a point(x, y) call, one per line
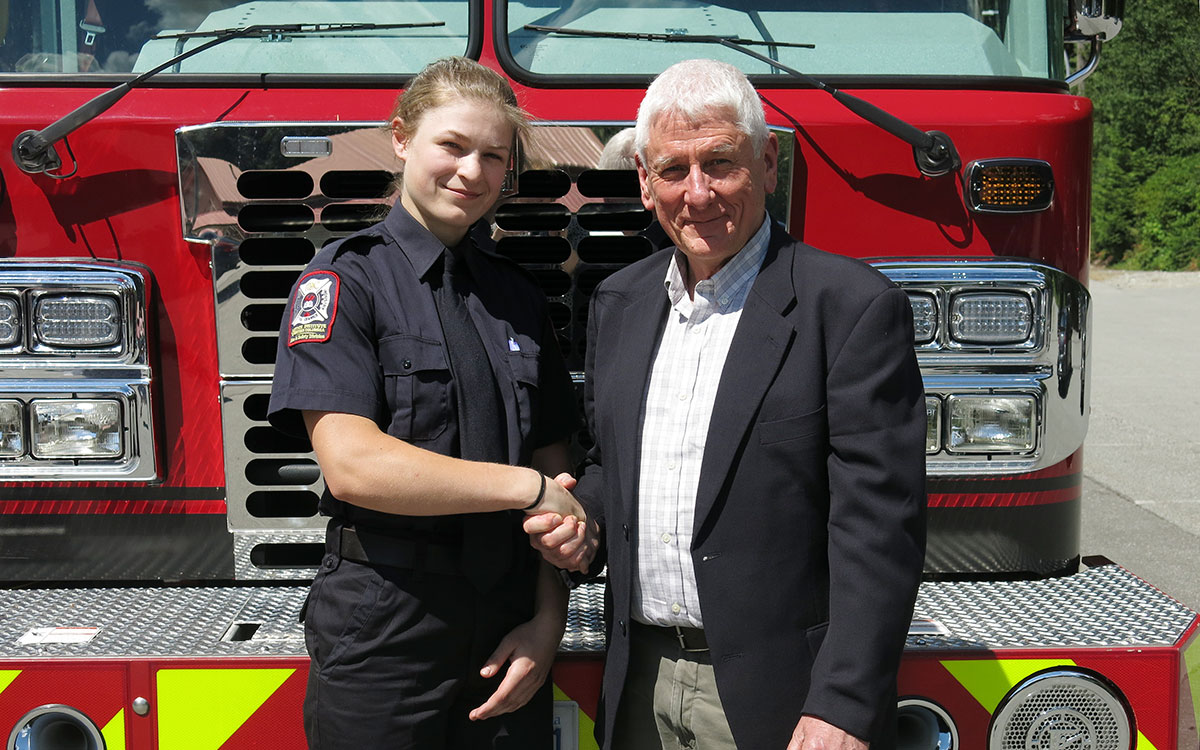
point(134, 36)
point(870, 38)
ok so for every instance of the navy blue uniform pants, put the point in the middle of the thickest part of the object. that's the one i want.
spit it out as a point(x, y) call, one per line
point(395, 659)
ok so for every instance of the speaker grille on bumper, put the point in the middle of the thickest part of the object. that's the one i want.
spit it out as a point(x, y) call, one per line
point(1061, 708)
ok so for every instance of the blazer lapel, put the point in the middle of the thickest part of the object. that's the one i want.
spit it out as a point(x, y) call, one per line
point(762, 339)
point(634, 347)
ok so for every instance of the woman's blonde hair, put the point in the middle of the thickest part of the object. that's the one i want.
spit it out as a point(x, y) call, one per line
point(443, 81)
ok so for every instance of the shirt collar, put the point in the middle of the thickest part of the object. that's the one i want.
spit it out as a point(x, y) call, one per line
point(729, 286)
point(417, 243)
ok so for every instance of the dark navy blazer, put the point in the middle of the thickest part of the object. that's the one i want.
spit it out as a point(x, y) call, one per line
point(810, 516)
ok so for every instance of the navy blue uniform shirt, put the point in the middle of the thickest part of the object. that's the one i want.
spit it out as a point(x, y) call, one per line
point(361, 335)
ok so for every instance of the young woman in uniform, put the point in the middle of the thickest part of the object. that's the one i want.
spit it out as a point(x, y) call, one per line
point(424, 370)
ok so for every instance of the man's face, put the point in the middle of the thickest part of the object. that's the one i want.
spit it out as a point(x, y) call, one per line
point(706, 186)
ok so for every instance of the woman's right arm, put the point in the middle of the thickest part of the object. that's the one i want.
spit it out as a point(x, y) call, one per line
point(365, 466)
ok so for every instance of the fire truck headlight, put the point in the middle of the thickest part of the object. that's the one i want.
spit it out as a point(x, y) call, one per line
point(76, 428)
point(933, 424)
point(991, 317)
point(10, 321)
point(991, 424)
point(924, 309)
point(12, 431)
point(77, 320)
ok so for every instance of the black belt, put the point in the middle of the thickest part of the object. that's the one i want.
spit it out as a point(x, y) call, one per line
point(372, 548)
point(690, 640)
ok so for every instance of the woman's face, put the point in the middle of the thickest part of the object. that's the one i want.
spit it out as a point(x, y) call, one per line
point(453, 165)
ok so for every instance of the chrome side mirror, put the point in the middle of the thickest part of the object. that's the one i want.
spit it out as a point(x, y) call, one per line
point(1095, 19)
point(1092, 22)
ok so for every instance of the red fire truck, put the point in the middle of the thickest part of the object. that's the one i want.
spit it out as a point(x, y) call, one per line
point(175, 163)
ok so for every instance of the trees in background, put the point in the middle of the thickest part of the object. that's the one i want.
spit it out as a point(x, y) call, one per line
point(1146, 174)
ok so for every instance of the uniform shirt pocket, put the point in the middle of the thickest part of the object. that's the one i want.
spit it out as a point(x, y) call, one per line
point(791, 428)
point(524, 364)
point(416, 377)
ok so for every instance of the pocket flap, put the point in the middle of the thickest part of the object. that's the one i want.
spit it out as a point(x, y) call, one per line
point(404, 354)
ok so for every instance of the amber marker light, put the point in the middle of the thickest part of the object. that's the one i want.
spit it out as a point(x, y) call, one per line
point(1009, 186)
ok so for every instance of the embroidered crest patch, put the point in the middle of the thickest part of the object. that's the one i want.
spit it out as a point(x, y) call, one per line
point(314, 307)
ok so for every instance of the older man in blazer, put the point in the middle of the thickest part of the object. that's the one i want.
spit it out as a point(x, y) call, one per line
point(758, 471)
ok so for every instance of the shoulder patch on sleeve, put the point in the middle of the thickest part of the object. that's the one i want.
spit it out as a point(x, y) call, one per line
point(314, 307)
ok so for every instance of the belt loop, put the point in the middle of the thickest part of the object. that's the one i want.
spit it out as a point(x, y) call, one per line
point(333, 537)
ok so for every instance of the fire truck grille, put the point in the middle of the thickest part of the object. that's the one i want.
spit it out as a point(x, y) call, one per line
point(266, 215)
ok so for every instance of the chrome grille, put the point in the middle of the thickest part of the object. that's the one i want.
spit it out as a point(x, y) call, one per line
point(266, 213)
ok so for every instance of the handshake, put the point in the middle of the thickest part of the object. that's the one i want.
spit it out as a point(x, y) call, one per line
point(558, 526)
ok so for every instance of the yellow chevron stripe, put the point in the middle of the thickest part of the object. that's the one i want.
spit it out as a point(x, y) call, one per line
point(989, 680)
point(587, 727)
point(6, 678)
point(199, 709)
point(114, 732)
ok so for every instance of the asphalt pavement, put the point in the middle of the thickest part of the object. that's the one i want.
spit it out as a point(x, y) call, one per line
point(1141, 487)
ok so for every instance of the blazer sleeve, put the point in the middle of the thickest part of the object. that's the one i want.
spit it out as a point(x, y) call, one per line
point(590, 489)
point(876, 529)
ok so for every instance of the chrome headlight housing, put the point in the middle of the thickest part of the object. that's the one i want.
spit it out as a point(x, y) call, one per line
point(75, 376)
point(1003, 352)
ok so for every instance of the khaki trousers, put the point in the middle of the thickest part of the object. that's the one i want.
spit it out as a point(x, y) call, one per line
point(669, 701)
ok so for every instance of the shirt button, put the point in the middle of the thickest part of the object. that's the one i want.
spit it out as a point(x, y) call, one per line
point(406, 364)
point(724, 300)
point(666, 538)
point(683, 397)
point(676, 609)
point(670, 466)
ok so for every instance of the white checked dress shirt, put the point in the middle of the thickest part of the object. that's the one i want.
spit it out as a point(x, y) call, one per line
point(679, 402)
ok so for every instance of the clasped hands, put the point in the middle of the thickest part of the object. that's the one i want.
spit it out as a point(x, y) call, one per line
point(559, 528)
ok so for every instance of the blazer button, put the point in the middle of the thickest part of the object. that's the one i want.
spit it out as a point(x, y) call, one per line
point(621, 623)
point(625, 528)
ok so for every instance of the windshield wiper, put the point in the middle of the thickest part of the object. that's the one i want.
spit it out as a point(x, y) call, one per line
point(305, 29)
point(33, 149)
point(650, 37)
point(933, 151)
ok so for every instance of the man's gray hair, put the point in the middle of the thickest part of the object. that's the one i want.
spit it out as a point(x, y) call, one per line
point(695, 89)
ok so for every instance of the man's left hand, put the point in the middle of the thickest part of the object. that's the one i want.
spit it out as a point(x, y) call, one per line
point(814, 734)
point(528, 650)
